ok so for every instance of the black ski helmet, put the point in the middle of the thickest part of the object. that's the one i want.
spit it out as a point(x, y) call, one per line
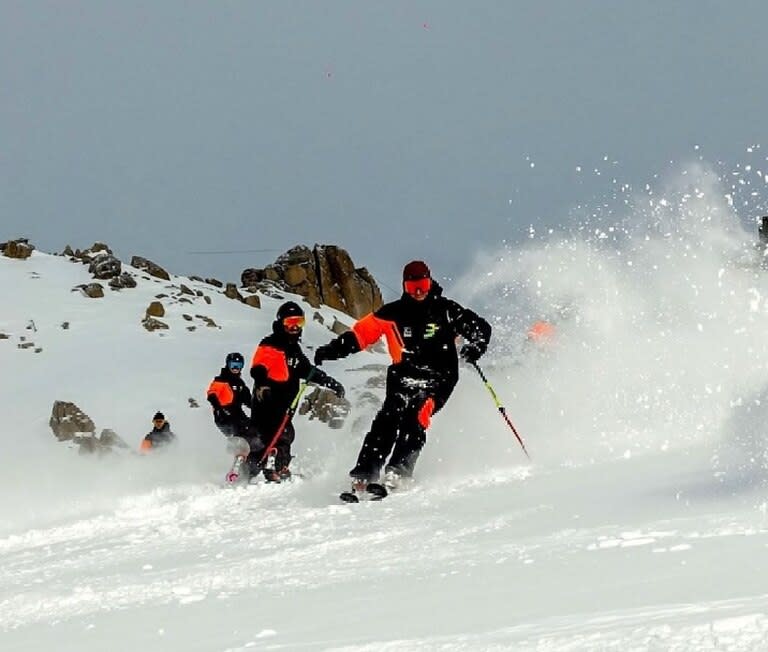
point(289, 309)
point(235, 357)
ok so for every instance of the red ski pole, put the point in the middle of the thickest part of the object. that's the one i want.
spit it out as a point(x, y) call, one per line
point(286, 418)
point(500, 407)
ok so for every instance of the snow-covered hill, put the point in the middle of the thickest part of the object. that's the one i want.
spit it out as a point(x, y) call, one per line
point(640, 525)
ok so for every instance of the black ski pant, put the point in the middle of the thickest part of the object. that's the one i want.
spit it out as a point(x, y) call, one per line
point(236, 426)
point(397, 423)
point(260, 433)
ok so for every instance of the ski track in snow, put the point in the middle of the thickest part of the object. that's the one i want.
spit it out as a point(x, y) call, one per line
point(204, 545)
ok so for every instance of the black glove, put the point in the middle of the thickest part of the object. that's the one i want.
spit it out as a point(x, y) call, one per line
point(262, 394)
point(322, 354)
point(335, 386)
point(471, 352)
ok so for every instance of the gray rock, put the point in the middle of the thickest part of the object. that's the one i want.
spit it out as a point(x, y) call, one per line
point(68, 421)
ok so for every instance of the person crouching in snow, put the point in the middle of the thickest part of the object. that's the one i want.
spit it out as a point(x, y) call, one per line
point(160, 436)
point(228, 394)
point(277, 368)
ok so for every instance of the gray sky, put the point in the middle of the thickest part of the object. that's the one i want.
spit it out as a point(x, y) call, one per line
point(395, 129)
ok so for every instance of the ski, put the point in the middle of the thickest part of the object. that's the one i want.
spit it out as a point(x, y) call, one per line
point(234, 473)
point(240, 448)
point(372, 491)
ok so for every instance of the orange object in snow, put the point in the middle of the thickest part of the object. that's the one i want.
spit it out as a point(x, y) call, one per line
point(541, 332)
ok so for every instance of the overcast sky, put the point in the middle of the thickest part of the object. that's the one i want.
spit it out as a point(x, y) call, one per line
point(396, 129)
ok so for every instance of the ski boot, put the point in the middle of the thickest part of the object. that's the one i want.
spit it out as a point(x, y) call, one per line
point(270, 473)
point(363, 489)
point(392, 479)
point(285, 474)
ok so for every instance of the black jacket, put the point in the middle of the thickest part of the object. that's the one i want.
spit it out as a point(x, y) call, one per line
point(159, 437)
point(279, 364)
point(421, 335)
point(228, 391)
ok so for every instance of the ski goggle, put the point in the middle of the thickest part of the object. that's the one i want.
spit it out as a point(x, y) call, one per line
point(418, 287)
point(234, 364)
point(294, 322)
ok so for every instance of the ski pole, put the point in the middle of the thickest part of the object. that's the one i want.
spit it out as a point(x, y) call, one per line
point(500, 407)
point(287, 416)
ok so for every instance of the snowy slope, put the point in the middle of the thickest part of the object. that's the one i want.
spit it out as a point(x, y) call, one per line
point(641, 524)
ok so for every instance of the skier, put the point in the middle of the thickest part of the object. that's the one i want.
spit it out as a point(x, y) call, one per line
point(277, 367)
point(228, 394)
point(420, 328)
point(161, 434)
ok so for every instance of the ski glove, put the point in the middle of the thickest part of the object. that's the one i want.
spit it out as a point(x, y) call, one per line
point(262, 393)
point(335, 386)
point(471, 352)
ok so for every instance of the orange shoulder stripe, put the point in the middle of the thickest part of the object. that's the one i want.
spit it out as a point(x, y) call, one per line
point(273, 360)
point(222, 391)
point(370, 328)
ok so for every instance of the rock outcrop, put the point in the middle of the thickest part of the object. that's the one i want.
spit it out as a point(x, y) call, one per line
point(153, 269)
point(324, 274)
point(19, 249)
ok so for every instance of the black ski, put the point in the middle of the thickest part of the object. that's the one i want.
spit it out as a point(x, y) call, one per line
point(372, 491)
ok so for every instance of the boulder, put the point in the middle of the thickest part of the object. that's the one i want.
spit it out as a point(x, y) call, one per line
point(125, 280)
point(69, 422)
point(151, 268)
point(152, 324)
point(110, 439)
point(105, 266)
point(253, 301)
point(95, 251)
point(207, 321)
point(106, 443)
point(19, 249)
point(231, 292)
point(155, 309)
point(215, 282)
point(91, 290)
